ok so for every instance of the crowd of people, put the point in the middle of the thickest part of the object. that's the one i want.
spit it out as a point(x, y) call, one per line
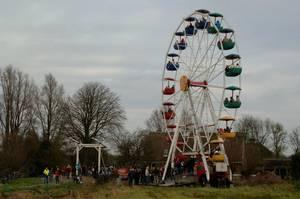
point(68, 172)
point(55, 174)
point(147, 175)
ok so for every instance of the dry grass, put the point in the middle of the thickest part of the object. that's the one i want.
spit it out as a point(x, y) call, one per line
point(32, 188)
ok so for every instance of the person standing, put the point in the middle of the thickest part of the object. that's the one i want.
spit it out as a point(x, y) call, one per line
point(200, 170)
point(156, 175)
point(69, 171)
point(131, 175)
point(137, 179)
point(147, 175)
point(57, 174)
point(46, 175)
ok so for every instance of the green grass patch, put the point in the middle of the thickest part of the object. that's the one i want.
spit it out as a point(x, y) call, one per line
point(34, 188)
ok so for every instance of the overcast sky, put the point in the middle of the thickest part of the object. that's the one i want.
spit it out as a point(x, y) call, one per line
point(123, 43)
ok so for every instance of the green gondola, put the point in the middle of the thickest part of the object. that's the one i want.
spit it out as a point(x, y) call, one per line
point(211, 30)
point(233, 71)
point(227, 30)
point(232, 57)
point(215, 14)
point(233, 88)
point(227, 44)
point(232, 105)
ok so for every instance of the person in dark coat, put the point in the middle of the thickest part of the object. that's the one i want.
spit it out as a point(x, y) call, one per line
point(131, 174)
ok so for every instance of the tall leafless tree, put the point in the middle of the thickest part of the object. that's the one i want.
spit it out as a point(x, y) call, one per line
point(155, 121)
point(294, 139)
point(94, 111)
point(16, 101)
point(16, 115)
point(130, 146)
point(277, 138)
point(49, 105)
point(254, 129)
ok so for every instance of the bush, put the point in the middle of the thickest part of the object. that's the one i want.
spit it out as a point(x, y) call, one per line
point(295, 166)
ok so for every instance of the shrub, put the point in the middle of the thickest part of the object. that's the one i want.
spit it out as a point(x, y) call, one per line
point(295, 166)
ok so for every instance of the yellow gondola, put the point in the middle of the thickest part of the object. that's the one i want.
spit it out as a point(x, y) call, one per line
point(226, 118)
point(218, 158)
point(217, 141)
point(227, 135)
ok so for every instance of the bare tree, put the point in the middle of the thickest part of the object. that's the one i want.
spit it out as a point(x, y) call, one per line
point(16, 115)
point(254, 129)
point(94, 111)
point(49, 108)
point(277, 138)
point(16, 102)
point(155, 122)
point(294, 139)
point(130, 146)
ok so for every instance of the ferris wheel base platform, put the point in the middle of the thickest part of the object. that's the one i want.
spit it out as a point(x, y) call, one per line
point(181, 180)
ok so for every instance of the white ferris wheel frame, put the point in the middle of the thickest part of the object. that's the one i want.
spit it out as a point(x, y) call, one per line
point(200, 140)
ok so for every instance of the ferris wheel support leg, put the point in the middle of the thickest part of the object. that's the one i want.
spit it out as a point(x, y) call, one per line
point(198, 137)
point(171, 153)
point(226, 161)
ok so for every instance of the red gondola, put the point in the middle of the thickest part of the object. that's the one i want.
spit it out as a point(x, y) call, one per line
point(169, 115)
point(171, 126)
point(169, 90)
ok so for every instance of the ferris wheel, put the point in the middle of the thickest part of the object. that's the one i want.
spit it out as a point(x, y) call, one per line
point(201, 87)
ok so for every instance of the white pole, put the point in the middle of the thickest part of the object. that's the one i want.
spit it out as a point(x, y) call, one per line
point(99, 158)
point(198, 138)
point(77, 159)
point(171, 151)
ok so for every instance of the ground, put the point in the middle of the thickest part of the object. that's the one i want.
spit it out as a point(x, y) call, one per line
point(33, 188)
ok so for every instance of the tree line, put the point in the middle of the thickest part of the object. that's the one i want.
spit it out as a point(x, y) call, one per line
point(266, 132)
point(37, 123)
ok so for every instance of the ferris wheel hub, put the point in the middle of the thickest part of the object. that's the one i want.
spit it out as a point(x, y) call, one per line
point(184, 83)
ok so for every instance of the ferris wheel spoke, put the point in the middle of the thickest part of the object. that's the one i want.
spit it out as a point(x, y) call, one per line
point(212, 110)
point(192, 50)
point(199, 48)
point(212, 56)
point(202, 112)
point(199, 98)
point(204, 56)
point(215, 97)
point(189, 51)
point(215, 86)
point(212, 65)
point(187, 68)
point(217, 75)
point(211, 68)
point(173, 96)
point(220, 102)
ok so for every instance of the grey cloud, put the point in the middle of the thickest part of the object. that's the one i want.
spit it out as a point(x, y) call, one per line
point(124, 43)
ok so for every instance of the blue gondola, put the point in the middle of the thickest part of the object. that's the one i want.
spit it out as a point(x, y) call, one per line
point(203, 11)
point(180, 45)
point(202, 24)
point(190, 30)
point(171, 66)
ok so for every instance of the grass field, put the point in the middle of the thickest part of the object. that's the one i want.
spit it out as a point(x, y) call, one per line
point(33, 188)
